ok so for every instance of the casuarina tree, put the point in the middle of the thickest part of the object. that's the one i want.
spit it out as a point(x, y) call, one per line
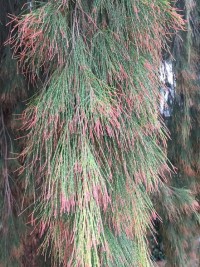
point(87, 166)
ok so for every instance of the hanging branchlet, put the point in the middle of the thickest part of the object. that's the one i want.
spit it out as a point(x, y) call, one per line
point(94, 145)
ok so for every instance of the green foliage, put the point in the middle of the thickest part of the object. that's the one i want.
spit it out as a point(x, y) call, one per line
point(95, 155)
point(95, 143)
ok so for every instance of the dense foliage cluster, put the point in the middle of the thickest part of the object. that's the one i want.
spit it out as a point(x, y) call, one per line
point(89, 167)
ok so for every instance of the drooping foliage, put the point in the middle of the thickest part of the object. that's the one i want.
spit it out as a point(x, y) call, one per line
point(93, 159)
